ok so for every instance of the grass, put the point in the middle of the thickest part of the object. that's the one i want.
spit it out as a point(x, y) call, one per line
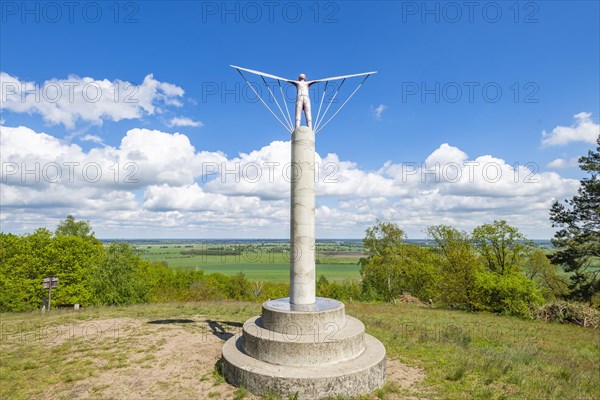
point(240, 393)
point(463, 355)
point(483, 356)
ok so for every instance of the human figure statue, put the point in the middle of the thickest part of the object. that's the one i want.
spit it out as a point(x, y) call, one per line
point(302, 96)
point(302, 99)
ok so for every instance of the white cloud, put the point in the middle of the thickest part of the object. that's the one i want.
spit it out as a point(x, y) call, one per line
point(193, 198)
point(92, 138)
point(561, 163)
point(144, 157)
point(446, 154)
point(378, 111)
point(67, 101)
point(94, 199)
point(584, 130)
point(184, 121)
point(157, 184)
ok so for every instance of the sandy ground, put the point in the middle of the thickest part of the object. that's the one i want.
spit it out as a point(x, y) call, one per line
point(165, 359)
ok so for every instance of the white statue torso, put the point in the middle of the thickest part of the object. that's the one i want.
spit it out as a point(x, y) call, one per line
point(302, 87)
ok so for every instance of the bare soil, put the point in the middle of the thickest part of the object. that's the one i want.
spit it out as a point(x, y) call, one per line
point(127, 358)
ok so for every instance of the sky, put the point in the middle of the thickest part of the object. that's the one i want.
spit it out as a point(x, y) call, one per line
point(128, 115)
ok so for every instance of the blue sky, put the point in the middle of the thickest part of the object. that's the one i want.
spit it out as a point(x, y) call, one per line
point(542, 56)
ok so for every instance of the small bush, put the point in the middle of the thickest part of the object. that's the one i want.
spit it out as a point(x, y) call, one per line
point(511, 294)
point(568, 313)
point(347, 290)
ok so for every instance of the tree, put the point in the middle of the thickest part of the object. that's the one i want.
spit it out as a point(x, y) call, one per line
point(393, 267)
point(383, 238)
point(382, 242)
point(578, 240)
point(71, 227)
point(503, 248)
point(114, 279)
point(551, 283)
point(459, 265)
point(26, 260)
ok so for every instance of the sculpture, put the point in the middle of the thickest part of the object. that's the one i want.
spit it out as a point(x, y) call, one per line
point(303, 99)
point(302, 96)
point(304, 346)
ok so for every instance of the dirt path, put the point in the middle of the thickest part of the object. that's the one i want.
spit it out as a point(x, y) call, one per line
point(135, 359)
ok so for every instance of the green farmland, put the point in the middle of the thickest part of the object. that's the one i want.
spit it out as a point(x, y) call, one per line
point(258, 261)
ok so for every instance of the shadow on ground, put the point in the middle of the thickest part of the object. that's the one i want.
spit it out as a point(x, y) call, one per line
point(171, 321)
point(221, 331)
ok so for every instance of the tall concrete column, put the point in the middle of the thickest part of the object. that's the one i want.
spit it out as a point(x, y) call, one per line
point(302, 257)
point(290, 349)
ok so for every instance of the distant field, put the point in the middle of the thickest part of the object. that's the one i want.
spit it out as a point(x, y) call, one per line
point(281, 272)
point(259, 261)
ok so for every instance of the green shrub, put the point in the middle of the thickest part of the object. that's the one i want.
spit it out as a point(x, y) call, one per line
point(26, 259)
point(347, 290)
point(511, 294)
point(271, 290)
point(239, 288)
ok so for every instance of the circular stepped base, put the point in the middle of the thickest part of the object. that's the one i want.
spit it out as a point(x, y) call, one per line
point(310, 352)
point(281, 316)
point(360, 375)
point(333, 345)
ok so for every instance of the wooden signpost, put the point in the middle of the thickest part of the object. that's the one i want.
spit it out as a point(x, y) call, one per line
point(49, 283)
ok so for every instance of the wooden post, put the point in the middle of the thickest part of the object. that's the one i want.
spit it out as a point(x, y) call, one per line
point(50, 282)
point(49, 296)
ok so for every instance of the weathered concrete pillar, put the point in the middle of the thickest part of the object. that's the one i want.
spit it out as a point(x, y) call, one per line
point(302, 224)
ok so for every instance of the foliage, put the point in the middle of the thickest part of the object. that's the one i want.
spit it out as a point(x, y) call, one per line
point(90, 273)
point(578, 239)
point(113, 279)
point(71, 258)
point(383, 238)
point(27, 259)
point(238, 287)
point(503, 248)
point(479, 272)
point(348, 290)
point(551, 283)
point(451, 272)
point(458, 265)
point(510, 294)
point(71, 227)
point(393, 267)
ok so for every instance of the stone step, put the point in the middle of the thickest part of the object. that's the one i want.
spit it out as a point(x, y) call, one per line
point(281, 316)
point(358, 376)
point(304, 347)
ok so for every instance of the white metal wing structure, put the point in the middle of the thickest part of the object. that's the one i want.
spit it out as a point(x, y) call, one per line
point(335, 78)
point(286, 120)
point(259, 73)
